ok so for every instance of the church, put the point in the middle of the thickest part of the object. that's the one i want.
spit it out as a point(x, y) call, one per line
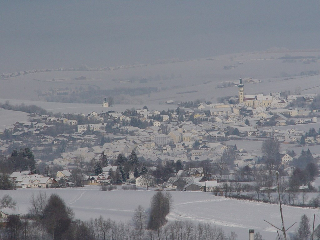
point(253, 101)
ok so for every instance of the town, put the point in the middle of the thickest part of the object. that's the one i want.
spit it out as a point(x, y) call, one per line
point(193, 148)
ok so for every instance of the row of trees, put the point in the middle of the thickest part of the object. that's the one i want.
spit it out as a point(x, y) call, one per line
point(50, 218)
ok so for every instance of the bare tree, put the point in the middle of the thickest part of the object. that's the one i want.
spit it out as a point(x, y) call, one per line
point(139, 220)
point(14, 225)
point(77, 177)
point(37, 205)
point(7, 202)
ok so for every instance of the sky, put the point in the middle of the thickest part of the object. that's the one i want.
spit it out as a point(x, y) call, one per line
point(99, 33)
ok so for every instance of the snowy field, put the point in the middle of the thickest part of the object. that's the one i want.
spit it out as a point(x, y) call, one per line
point(81, 108)
point(8, 118)
point(232, 215)
point(185, 80)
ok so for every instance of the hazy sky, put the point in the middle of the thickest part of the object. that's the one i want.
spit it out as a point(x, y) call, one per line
point(98, 33)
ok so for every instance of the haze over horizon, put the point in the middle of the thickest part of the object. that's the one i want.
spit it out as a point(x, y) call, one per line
point(53, 34)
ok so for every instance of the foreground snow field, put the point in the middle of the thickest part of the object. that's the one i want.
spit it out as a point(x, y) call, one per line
point(232, 215)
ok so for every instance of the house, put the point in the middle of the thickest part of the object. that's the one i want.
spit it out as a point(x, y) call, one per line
point(108, 168)
point(195, 186)
point(165, 118)
point(175, 136)
point(63, 174)
point(103, 178)
point(42, 182)
point(72, 122)
point(210, 185)
point(196, 172)
point(13, 176)
point(187, 137)
point(207, 186)
point(82, 128)
point(156, 123)
point(27, 180)
point(286, 158)
point(161, 139)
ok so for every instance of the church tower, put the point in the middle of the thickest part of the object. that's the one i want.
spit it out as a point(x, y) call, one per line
point(241, 96)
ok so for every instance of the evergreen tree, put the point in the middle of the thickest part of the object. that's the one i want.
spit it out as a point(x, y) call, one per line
point(160, 208)
point(103, 160)
point(236, 132)
point(179, 165)
point(136, 173)
point(121, 160)
point(97, 169)
point(56, 217)
point(22, 160)
point(304, 228)
point(311, 171)
point(297, 179)
point(133, 159)
point(304, 159)
point(144, 170)
point(123, 174)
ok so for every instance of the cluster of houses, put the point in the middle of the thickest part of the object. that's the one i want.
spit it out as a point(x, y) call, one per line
point(193, 180)
point(25, 179)
point(186, 134)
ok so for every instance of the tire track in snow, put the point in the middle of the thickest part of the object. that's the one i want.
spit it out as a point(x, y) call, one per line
point(77, 198)
point(202, 201)
point(176, 215)
point(104, 209)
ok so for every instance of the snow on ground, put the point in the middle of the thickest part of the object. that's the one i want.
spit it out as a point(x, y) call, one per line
point(230, 214)
point(8, 118)
point(182, 80)
point(251, 146)
point(79, 108)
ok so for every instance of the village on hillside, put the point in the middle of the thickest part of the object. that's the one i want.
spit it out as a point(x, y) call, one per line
point(193, 148)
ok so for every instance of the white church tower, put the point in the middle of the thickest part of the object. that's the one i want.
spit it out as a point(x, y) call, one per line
point(241, 91)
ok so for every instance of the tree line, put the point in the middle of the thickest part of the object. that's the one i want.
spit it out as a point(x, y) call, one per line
point(50, 218)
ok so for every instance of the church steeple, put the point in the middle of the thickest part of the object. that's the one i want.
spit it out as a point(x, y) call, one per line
point(241, 89)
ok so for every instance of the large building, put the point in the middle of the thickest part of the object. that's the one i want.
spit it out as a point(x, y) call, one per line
point(253, 101)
